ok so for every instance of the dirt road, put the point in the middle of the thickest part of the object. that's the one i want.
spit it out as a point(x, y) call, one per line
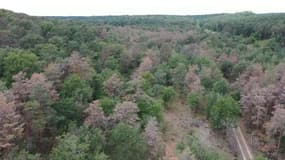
point(245, 151)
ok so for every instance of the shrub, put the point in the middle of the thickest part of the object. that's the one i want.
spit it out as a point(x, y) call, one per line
point(168, 95)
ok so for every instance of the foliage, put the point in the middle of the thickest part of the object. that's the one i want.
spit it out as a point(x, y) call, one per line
point(224, 113)
point(75, 87)
point(127, 68)
point(20, 61)
point(82, 144)
point(154, 140)
point(168, 94)
point(200, 151)
point(108, 105)
point(11, 127)
point(221, 87)
point(149, 107)
point(126, 143)
point(113, 86)
point(22, 155)
point(195, 100)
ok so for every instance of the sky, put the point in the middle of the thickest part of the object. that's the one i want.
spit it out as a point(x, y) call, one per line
point(139, 7)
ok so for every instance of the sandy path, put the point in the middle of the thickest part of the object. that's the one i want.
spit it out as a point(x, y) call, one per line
point(178, 120)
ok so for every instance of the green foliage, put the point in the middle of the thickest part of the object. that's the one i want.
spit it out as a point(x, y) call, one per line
point(107, 104)
point(75, 87)
point(84, 144)
point(201, 152)
point(30, 40)
point(168, 94)
point(175, 59)
point(48, 52)
point(126, 143)
point(2, 86)
point(93, 137)
point(195, 100)
point(227, 69)
point(221, 87)
point(222, 47)
point(178, 75)
point(150, 108)
point(161, 74)
point(260, 157)
point(19, 60)
point(224, 113)
point(68, 111)
point(97, 86)
point(22, 155)
point(148, 80)
point(70, 147)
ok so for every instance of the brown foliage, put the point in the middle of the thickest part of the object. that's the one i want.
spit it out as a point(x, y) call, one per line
point(154, 140)
point(80, 66)
point(276, 125)
point(258, 103)
point(56, 72)
point(145, 65)
point(250, 79)
point(95, 116)
point(75, 64)
point(126, 112)
point(192, 80)
point(113, 86)
point(11, 127)
point(22, 88)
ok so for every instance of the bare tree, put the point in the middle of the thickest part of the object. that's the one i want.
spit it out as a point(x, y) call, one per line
point(276, 125)
point(154, 140)
point(126, 112)
point(80, 66)
point(192, 80)
point(113, 85)
point(95, 115)
point(257, 105)
point(22, 88)
point(11, 127)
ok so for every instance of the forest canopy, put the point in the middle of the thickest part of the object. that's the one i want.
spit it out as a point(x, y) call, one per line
point(99, 88)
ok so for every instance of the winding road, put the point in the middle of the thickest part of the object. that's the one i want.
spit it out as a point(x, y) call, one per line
point(245, 151)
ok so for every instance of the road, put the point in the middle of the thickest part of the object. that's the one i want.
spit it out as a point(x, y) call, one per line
point(245, 151)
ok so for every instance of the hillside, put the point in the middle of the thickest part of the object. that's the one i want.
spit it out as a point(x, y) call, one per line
point(142, 87)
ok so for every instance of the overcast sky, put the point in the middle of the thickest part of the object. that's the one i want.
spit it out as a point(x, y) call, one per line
point(139, 7)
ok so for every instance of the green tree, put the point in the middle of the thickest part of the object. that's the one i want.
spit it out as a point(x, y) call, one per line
point(260, 157)
point(21, 155)
point(17, 61)
point(70, 147)
point(178, 75)
point(195, 100)
point(75, 87)
point(150, 108)
point(221, 86)
point(30, 40)
point(148, 80)
point(97, 86)
point(168, 95)
point(107, 104)
point(224, 113)
point(126, 143)
point(68, 111)
point(48, 52)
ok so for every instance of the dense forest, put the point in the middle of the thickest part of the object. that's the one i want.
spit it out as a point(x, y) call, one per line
point(105, 88)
